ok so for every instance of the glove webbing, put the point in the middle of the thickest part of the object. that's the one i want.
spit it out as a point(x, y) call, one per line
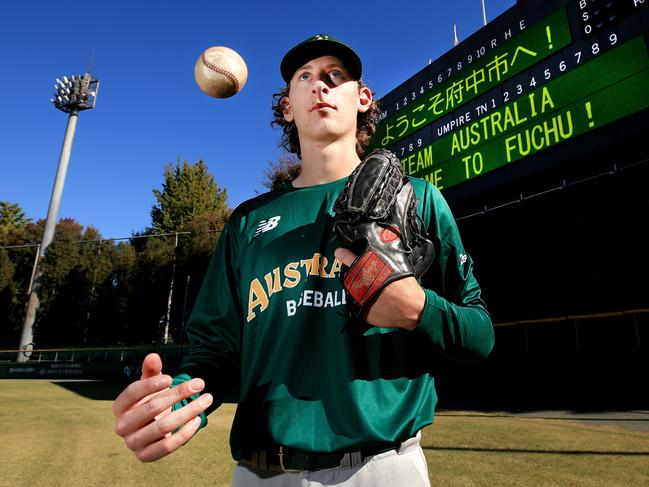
point(376, 204)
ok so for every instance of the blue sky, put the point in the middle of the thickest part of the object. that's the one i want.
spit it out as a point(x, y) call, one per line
point(149, 110)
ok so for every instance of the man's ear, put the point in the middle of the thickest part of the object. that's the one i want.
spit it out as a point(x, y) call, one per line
point(288, 114)
point(365, 99)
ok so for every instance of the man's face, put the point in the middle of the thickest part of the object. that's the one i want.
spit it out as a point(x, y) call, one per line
point(324, 101)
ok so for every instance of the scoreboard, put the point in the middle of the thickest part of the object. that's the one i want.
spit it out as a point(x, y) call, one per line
point(540, 74)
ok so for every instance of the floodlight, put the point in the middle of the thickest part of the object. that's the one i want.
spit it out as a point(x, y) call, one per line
point(79, 92)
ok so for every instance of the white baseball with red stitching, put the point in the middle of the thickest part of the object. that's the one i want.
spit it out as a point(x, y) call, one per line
point(220, 72)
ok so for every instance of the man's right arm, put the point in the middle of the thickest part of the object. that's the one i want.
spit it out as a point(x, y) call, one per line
point(157, 414)
point(214, 327)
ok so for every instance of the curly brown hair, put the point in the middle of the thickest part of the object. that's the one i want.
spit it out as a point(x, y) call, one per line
point(290, 141)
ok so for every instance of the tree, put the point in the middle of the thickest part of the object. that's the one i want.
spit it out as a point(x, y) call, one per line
point(16, 265)
point(78, 266)
point(190, 200)
point(114, 303)
point(12, 217)
point(286, 169)
point(188, 192)
point(8, 296)
point(93, 292)
point(147, 290)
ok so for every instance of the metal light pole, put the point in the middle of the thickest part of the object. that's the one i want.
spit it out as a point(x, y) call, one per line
point(72, 96)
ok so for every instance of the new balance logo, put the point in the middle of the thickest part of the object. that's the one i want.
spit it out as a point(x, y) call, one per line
point(266, 225)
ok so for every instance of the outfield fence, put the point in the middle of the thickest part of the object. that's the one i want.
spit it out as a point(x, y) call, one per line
point(106, 363)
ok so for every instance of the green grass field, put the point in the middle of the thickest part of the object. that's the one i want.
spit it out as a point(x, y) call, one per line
point(62, 434)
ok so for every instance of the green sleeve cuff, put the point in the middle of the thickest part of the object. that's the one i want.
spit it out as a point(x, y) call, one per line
point(464, 332)
point(179, 379)
point(431, 318)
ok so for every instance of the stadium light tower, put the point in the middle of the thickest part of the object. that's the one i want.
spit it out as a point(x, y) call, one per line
point(72, 95)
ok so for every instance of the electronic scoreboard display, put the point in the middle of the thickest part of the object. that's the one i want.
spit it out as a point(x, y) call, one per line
point(540, 74)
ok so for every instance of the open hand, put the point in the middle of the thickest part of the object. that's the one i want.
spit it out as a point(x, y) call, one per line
point(144, 418)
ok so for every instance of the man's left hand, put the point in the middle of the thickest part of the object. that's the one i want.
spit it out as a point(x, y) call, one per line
point(398, 305)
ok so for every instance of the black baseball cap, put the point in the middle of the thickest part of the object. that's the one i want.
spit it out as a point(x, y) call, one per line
point(317, 46)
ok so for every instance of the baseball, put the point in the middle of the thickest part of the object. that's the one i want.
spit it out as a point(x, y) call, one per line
point(220, 72)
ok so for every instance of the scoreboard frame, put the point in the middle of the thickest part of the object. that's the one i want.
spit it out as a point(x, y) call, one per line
point(538, 81)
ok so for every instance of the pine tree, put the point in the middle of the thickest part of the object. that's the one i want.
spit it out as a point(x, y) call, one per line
point(188, 193)
point(12, 217)
point(189, 201)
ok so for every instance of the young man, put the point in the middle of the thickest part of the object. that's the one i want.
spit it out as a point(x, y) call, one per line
point(321, 400)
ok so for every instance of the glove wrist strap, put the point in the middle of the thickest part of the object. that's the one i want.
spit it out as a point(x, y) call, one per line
point(367, 276)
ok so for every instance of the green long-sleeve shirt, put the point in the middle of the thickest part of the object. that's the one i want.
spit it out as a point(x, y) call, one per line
point(271, 325)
